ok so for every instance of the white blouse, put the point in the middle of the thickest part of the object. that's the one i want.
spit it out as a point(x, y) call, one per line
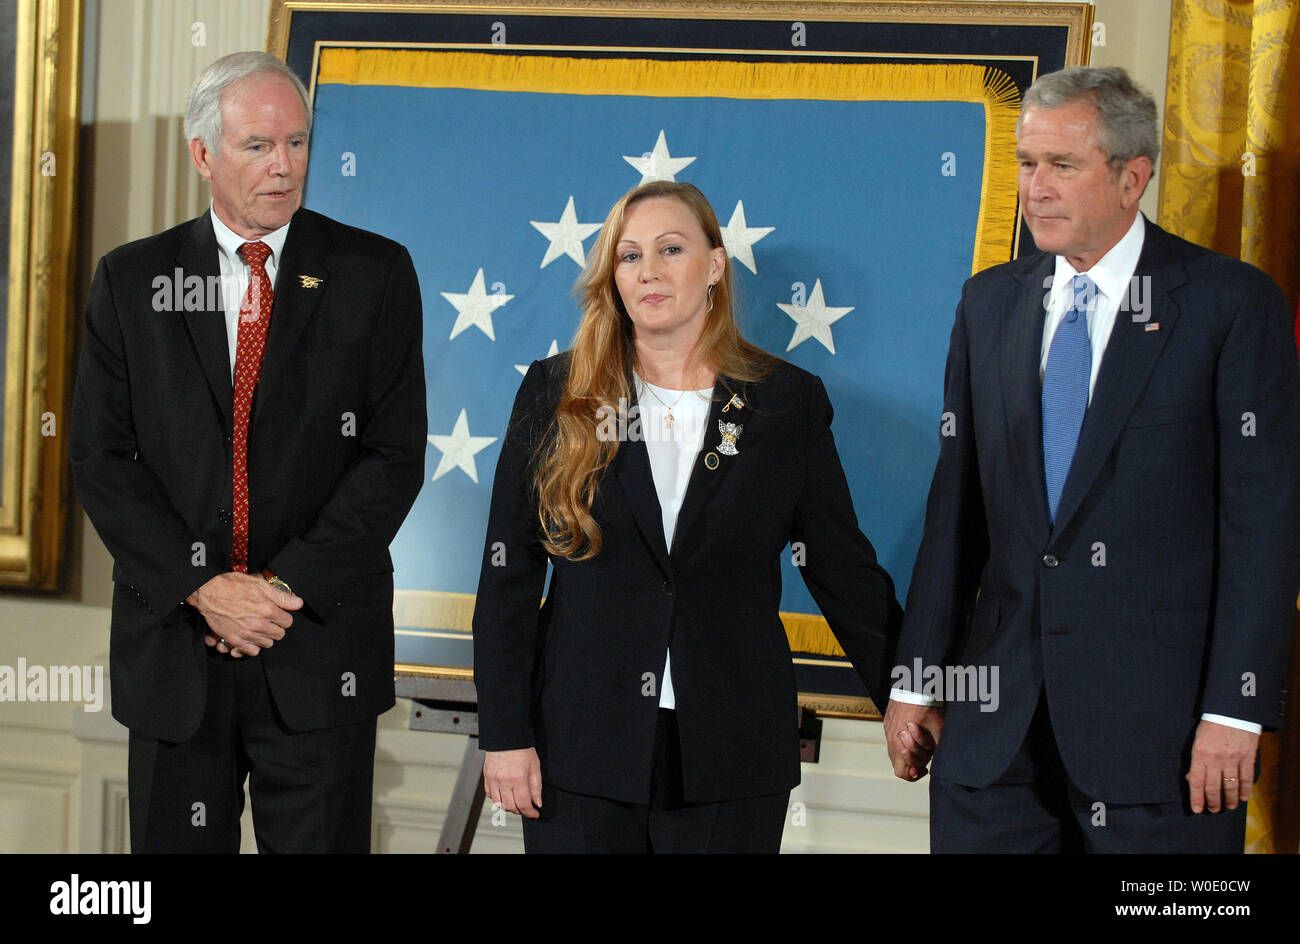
point(673, 451)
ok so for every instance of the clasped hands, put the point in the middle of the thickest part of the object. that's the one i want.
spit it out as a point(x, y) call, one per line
point(911, 736)
point(244, 613)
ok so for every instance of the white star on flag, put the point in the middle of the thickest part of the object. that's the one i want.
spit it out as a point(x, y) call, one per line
point(555, 349)
point(739, 237)
point(813, 320)
point(658, 164)
point(475, 307)
point(459, 448)
point(566, 236)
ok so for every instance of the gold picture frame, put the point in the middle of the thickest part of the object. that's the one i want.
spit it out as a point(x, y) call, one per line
point(35, 488)
point(1077, 16)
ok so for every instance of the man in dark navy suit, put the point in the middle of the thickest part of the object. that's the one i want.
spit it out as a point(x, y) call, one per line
point(1112, 523)
point(247, 455)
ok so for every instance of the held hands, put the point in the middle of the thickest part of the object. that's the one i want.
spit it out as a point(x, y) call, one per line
point(513, 780)
point(911, 736)
point(1223, 759)
point(244, 613)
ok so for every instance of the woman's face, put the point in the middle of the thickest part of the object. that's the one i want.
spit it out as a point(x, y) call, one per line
point(663, 269)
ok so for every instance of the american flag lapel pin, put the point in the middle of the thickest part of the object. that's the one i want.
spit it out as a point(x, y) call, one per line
point(1152, 326)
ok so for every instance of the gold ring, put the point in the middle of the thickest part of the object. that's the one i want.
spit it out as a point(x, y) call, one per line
point(1229, 779)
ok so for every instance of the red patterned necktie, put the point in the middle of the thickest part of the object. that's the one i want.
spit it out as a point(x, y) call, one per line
point(254, 318)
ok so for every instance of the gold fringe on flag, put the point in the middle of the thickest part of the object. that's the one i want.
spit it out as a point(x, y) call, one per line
point(996, 228)
point(817, 81)
point(809, 633)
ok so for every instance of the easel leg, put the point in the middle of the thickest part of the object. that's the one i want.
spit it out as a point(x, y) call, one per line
point(466, 802)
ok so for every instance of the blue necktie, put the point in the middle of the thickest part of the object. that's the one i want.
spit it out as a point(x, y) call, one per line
point(1065, 391)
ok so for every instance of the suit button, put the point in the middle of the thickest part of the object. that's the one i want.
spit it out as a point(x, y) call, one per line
point(223, 516)
point(1050, 560)
point(668, 588)
point(229, 441)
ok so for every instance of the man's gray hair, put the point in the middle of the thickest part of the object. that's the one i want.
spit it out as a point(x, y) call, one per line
point(1127, 120)
point(203, 104)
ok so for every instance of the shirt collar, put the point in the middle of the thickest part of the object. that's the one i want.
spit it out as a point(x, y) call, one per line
point(230, 241)
point(1112, 271)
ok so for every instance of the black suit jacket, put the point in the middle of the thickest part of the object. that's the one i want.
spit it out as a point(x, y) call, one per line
point(572, 678)
point(1167, 586)
point(336, 457)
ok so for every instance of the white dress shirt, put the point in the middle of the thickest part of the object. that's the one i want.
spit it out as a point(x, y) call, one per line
point(673, 451)
point(1112, 274)
point(235, 273)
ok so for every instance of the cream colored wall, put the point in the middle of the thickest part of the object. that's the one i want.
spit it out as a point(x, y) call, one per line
point(62, 770)
point(1137, 38)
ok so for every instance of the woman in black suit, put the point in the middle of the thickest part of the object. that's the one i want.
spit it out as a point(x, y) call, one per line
point(661, 466)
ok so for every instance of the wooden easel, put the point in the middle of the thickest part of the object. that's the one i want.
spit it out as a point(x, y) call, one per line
point(450, 706)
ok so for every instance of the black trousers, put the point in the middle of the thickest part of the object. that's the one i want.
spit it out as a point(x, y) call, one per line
point(575, 822)
point(1035, 807)
point(311, 790)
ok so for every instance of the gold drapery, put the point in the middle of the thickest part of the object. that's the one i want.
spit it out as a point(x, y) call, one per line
point(1231, 181)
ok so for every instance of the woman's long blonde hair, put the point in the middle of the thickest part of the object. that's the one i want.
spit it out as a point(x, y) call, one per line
point(574, 458)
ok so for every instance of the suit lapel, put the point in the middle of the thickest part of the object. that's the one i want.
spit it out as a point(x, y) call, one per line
point(1131, 354)
point(301, 282)
point(207, 328)
point(631, 467)
point(1021, 355)
point(713, 463)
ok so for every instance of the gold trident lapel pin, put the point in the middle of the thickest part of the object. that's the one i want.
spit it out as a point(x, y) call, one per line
point(309, 281)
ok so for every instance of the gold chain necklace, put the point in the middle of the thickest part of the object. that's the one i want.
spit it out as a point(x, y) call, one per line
point(669, 419)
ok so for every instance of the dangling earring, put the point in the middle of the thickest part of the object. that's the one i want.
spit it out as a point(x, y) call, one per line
point(709, 293)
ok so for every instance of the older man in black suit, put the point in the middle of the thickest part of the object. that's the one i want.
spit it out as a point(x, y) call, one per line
point(1112, 522)
point(248, 434)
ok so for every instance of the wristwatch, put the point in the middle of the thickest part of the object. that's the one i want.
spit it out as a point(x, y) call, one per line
point(276, 582)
